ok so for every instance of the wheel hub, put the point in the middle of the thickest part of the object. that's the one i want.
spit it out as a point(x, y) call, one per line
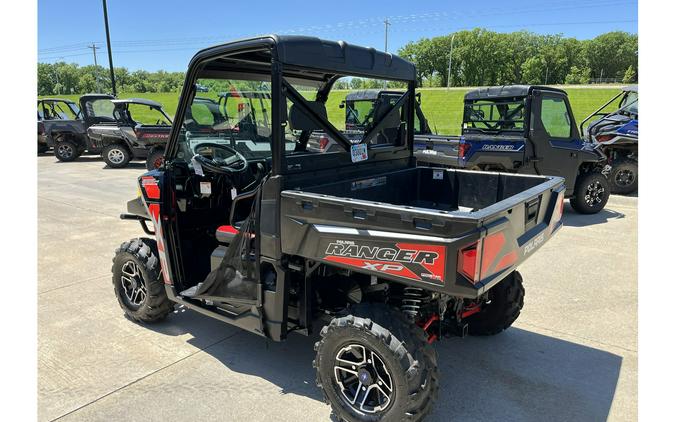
point(594, 194)
point(363, 379)
point(115, 156)
point(133, 283)
point(624, 178)
point(65, 151)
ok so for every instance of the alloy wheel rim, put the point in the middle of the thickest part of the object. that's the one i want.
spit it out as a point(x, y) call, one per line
point(116, 156)
point(624, 178)
point(133, 283)
point(594, 194)
point(363, 379)
point(65, 151)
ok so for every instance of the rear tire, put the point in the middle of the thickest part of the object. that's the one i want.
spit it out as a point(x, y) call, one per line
point(591, 193)
point(400, 346)
point(137, 281)
point(116, 155)
point(66, 150)
point(155, 160)
point(623, 179)
point(506, 302)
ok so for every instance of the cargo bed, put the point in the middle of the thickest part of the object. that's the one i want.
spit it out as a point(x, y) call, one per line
point(420, 225)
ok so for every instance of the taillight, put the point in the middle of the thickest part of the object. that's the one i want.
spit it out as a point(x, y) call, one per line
point(558, 211)
point(478, 260)
point(603, 138)
point(323, 143)
point(463, 149)
point(467, 261)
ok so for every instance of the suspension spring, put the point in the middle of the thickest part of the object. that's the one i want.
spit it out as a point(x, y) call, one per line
point(412, 301)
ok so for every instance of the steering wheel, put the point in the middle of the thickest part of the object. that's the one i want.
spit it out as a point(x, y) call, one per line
point(221, 165)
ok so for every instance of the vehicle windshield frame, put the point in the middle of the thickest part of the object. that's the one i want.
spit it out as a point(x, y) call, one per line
point(224, 59)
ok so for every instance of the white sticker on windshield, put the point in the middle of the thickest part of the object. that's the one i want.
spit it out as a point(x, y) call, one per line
point(438, 174)
point(359, 153)
point(197, 166)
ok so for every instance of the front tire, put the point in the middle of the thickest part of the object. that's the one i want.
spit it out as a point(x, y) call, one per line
point(591, 193)
point(65, 151)
point(116, 156)
point(376, 366)
point(623, 179)
point(137, 281)
point(506, 300)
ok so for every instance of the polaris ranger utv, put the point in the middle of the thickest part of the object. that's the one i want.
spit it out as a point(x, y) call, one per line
point(531, 130)
point(253, 229)
point(139, 131)
point(616, 133)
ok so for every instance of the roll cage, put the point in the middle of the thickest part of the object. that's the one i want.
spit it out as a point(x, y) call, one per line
point(287, 60)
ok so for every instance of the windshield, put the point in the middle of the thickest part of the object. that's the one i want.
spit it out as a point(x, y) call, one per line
point(58, 110)
point(494, 116)
point(238, 114)
point(358, 113)
point(630, 102)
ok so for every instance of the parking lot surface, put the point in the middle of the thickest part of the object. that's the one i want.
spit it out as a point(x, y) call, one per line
point(572, 354)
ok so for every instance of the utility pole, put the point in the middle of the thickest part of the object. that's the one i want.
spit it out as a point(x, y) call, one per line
point(452, 41)
point(546, 79)
point(93, 49)
point(107, 37)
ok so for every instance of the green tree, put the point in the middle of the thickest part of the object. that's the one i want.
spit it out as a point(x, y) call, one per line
point(629, 76)
point(578, 76)
point(534, 70)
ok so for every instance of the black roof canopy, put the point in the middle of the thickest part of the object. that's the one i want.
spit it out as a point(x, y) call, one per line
point(369, 94)
point(142, 101)
point(306, 58)
point(506, 91)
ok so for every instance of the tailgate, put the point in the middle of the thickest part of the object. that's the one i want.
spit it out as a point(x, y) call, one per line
point(460, 253)
point(437, 149)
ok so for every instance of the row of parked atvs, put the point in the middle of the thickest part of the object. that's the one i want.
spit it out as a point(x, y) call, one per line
point(492, 138)
point(120, 130)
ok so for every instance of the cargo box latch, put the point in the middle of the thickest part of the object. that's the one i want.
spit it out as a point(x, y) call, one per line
point(531, 212)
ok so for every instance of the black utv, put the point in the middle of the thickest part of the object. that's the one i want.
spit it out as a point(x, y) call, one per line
point(382, 257)
point(139, 130)
point(531, 130)
point(64, 124)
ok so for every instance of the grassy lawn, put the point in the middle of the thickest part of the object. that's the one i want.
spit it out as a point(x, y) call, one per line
point(442, 107)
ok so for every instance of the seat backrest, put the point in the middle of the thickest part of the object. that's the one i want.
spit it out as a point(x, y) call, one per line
point(298, 120)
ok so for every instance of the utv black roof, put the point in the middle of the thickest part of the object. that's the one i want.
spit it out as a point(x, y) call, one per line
point(306, 58)
point(630, 88)
point(506, 91)
point(142, 101)
point(368, 94)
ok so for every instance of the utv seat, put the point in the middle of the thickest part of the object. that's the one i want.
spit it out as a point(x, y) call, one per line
point(225, 234)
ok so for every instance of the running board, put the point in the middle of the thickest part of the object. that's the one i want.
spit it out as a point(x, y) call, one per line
point(248, 320)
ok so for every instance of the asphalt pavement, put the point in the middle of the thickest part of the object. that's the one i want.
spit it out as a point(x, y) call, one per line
point(572, 354)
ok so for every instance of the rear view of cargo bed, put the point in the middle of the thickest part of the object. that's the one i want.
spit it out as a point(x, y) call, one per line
point(454, 231)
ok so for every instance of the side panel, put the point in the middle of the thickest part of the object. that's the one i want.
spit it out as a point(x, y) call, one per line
point(386, 242)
